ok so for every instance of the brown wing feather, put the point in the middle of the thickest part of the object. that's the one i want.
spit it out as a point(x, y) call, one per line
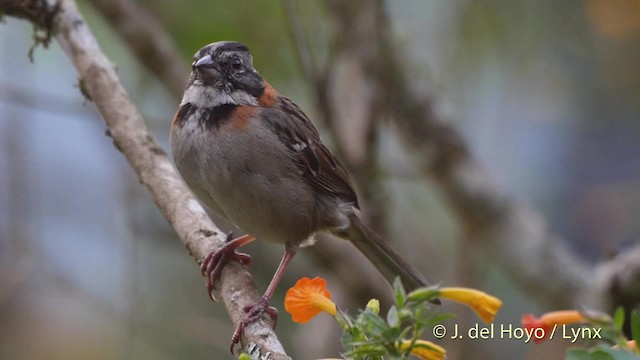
point(318, 166)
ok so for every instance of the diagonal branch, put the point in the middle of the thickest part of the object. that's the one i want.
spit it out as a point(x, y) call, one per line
point(147, 38)
point(501, 229)
point(154, 169)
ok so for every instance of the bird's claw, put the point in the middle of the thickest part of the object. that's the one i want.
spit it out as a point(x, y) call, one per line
point(211, 265)
point(253, 314)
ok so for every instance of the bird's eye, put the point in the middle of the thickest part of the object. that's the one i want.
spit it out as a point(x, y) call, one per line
point(236, 64)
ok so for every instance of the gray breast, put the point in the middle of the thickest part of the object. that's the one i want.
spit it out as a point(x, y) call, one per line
point(234, 173)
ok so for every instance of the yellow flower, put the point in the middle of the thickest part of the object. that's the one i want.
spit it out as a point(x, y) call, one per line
point(374, 306)
point(424, 350)
point(307, 298)
point(483, 304)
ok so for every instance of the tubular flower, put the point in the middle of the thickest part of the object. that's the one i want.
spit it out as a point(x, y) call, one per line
point(307, 298)
point(549, 320)
point(424, 350)
point(483, 304)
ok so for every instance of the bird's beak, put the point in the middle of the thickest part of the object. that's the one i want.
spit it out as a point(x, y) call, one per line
point(206, 67)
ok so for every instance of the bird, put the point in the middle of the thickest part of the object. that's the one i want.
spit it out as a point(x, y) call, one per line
point(253, 156)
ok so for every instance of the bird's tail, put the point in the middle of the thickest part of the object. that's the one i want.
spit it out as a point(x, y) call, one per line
point(382, 256)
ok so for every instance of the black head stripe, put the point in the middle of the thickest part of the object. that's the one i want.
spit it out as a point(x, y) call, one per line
point(231, 46)
point(219, 47)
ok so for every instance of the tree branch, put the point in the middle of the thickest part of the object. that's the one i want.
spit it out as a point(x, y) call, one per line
point(154, 169)
point(619, 278)
point(502, 229)
point(148, 40)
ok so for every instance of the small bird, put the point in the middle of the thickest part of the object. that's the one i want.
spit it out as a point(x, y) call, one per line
point(253, 157)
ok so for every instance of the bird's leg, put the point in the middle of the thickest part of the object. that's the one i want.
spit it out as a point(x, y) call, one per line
point(211, 265)
point(253, 312)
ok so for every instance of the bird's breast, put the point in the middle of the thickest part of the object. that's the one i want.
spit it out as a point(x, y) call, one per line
point(244, 170)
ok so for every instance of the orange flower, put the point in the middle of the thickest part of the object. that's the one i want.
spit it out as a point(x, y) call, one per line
point(424, 350)
point(549, 320)
point(483, 304)
point(307, 298)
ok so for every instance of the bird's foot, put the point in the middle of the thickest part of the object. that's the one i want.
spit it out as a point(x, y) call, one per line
point(211, 265)
point(253, 314)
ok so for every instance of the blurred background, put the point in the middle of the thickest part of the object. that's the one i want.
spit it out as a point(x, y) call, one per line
point(545, 94)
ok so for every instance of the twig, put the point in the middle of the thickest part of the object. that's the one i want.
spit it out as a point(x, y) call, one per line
point(154, 169)
point(620, 278)
point(502, 229)
point(300, 40)
point(148, 40)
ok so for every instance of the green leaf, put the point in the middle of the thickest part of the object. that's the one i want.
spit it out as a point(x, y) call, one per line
point(618, 318)
point(599, 353)
point(635, 326)
point(400, 293)
point(584, 354)
point(392, 317)
point(373, 323)
point(615, 354)
point(577, 354)
point(422, 294)
point(356, 333)
point(406, 314)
